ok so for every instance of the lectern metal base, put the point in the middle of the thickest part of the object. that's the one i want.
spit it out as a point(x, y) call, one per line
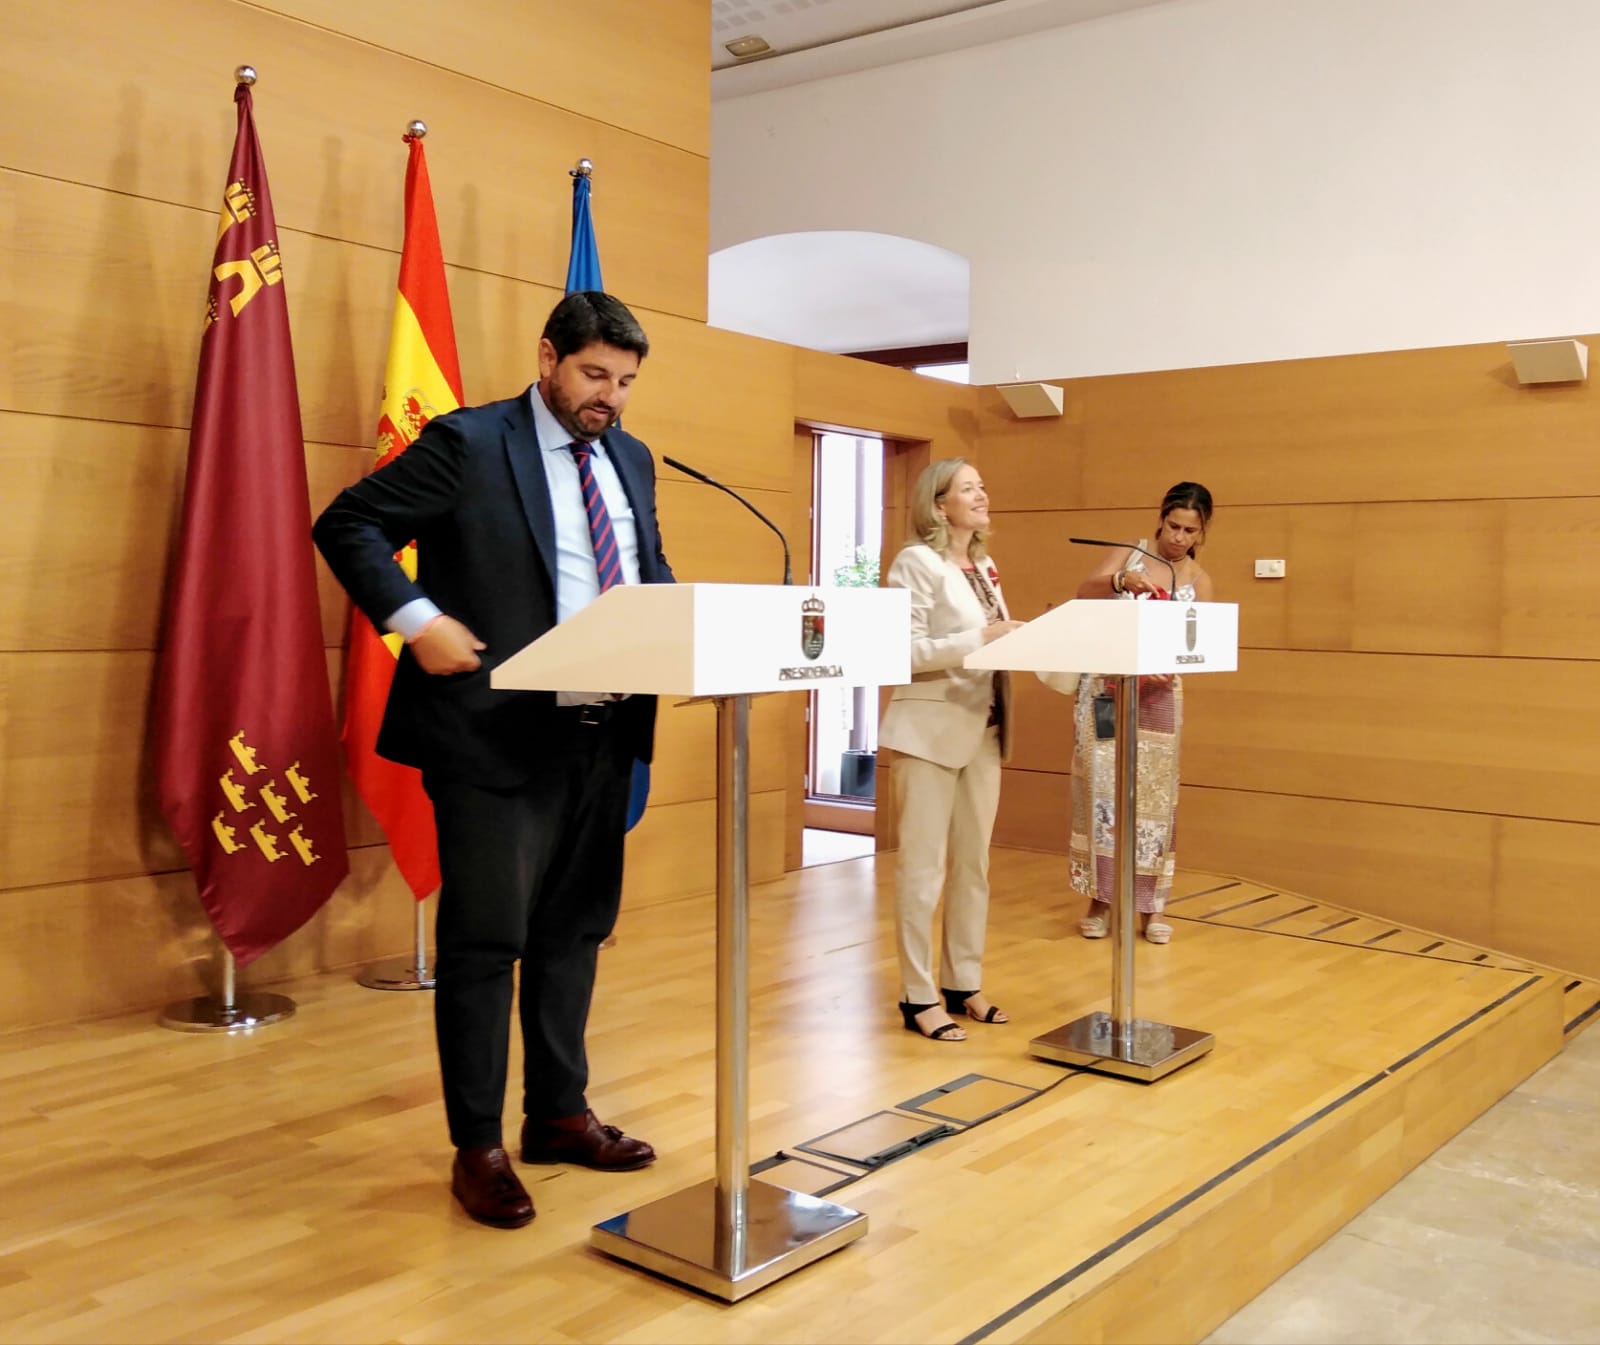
point(1150, 1052)
point(400, 974)
point(248, 1011)
point(678, 1236)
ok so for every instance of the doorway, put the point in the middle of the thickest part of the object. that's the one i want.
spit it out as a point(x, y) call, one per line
point(842, 722)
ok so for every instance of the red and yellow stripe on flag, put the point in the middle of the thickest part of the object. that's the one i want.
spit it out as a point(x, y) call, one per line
point(422, 379)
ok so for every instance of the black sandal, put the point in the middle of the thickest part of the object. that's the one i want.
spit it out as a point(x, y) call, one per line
point(956, 1002)
point(944, 1032)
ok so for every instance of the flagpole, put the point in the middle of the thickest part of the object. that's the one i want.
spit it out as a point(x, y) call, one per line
point(398, 974)
point(229, 1012)
point(270, 717)
point(584, 168)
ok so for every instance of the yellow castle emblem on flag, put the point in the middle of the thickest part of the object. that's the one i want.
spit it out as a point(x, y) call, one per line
point(262, 268)
point(274, 838)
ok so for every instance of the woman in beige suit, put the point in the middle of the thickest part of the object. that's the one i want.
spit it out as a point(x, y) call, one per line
point(950, 729)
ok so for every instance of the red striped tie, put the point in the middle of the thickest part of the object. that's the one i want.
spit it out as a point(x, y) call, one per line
point(607, 559)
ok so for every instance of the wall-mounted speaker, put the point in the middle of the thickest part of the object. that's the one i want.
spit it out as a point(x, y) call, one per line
point(1030, 400)
point(1549, 361)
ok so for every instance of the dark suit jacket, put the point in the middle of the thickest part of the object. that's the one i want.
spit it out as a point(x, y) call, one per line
point(471, 491)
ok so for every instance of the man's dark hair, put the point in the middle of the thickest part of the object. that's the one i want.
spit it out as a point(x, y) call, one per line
point(587, 316)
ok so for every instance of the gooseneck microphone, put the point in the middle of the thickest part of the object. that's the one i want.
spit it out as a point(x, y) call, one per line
point(788, 576)
point(1095, 541)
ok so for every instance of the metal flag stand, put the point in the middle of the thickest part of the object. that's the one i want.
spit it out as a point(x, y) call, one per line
point(1119, 1043)
point(731, 1236)
point(397, 973)
point(230, 1012)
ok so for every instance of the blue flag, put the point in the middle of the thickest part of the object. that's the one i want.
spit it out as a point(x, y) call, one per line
point(583, 273)
point(583, 265)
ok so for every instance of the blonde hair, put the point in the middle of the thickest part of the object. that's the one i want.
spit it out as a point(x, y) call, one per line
point(928, 525)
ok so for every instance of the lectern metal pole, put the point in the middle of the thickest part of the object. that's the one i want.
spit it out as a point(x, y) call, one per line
point(730, 1236)
point(1124, 921)
point(733, 961)
point(1118, 1042)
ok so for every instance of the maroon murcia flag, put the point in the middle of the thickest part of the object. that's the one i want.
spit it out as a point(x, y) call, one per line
point(246, 754)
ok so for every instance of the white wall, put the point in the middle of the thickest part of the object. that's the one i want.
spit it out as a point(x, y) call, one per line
point(1213, 181)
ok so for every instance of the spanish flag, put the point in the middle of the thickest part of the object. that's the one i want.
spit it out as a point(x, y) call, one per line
point(421, 380)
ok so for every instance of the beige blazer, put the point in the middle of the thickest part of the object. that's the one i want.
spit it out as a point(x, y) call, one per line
point(942, 714)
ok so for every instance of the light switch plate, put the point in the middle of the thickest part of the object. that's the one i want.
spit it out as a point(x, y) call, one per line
point(1271, 569)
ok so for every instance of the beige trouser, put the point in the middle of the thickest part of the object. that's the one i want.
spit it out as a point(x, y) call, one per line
point(944, 812)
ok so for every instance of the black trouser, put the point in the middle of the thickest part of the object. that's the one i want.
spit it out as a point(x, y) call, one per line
point(532, 873)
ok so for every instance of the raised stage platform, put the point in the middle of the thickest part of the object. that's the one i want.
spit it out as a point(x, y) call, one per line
point(292, 1186)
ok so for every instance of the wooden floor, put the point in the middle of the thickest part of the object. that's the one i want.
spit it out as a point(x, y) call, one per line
point(291, 1186)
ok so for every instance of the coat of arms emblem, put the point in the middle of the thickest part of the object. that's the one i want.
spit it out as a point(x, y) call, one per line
point(811, 628)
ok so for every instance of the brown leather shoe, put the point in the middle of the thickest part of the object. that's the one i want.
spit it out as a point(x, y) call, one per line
point(582, 1139)
point(483, 1180)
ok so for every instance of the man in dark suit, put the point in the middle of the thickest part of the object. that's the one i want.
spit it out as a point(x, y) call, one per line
point(523, 512)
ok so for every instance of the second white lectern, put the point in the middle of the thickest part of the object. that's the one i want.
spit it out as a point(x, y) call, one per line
point(725, 642)
point(1122, 640)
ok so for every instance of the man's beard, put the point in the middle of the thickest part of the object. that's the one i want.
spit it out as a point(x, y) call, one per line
point(571, 420)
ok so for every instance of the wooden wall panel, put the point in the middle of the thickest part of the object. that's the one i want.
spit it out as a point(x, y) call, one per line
point(92, 508)
point(1522, 885)
point(122, 343)
point(655, 75)
point(685, 766)
point(1413, 705)
point(73, 769)
point(1431, 869)
point(1544, 893)
point(109, 191)
point(80, 950)
point(1463, 577)
point(1448, 423)
point(109, 293)
point(720, 402)
point(1035, 810)
point(1042, 738)
point(1503, 736)
point(75, 766)
point(834, 392)
point(105, 297)
point(109, 187)
point(330, 112)
point(673, 850)
point(87, 507)
point(710, 538)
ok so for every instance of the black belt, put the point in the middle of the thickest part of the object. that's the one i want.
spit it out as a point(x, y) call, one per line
point(599, 713)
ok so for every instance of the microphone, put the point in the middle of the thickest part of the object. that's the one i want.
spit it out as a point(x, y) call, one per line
point(788, 576)
point(1095, 541)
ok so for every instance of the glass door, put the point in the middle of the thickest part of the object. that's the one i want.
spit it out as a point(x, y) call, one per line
point(846, 540)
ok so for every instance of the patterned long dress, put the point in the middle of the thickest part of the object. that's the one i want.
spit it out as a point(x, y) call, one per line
point(1092, 851)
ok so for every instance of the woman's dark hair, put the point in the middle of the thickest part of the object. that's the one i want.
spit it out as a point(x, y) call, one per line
point(587, 316)
point(1189, 495)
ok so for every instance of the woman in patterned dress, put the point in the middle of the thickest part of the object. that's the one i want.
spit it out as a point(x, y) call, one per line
point(1125, 573)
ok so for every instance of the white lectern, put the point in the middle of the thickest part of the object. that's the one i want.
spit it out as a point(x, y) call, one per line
point(725, 642)
point(1122, 641)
